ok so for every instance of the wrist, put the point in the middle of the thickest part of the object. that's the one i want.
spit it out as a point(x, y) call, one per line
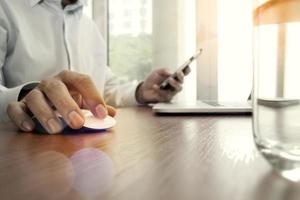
point(139, 94)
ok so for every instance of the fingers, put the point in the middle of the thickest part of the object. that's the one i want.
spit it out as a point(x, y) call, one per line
point(38, 105)
point(176, 85)
point(17, 113)
point(84, 85)
point(163, 95)
point(164, 72)
point(59, 96)
point(53, 95)
point(187, 70)
point(77, 98)
point(180, 77)
point(151, 91)
point(111, 111)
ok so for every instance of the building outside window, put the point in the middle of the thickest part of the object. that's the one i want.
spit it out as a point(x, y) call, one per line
point(130, 38)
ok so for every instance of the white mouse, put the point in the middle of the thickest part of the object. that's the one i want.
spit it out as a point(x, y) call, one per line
point(91, 124)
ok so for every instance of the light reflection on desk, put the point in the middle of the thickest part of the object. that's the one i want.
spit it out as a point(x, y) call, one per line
point(235, 142)
point(152, 157)
point(94, 172)
point(52, 175)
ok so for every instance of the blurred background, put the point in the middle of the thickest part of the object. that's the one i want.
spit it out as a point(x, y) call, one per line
point(142, 35)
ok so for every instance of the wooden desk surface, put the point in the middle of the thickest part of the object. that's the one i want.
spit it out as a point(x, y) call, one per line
point(145, 157)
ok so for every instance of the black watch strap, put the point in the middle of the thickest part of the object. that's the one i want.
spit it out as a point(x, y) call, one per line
point(26, 89)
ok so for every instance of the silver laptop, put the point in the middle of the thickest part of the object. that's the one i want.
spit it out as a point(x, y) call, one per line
point(203, 107)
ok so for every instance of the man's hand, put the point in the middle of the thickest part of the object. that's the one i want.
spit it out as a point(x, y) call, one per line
point(65, 93)
point(149, 91)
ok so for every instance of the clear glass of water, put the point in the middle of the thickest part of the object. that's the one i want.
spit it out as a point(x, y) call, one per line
point(276, 92)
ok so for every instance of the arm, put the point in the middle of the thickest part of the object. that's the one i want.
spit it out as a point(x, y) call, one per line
point(6, 94)
point(132, 93)
point(117, 93)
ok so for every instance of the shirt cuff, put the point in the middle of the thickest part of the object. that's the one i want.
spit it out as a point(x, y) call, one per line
point(131, 95)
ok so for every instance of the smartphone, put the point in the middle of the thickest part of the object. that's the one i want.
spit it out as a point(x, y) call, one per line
point(165, 85)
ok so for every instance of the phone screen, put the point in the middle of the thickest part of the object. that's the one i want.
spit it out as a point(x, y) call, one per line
point(165, 84)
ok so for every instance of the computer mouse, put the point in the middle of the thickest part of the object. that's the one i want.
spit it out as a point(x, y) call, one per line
point(91, 124)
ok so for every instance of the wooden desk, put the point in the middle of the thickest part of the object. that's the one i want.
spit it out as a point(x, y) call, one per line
point(145, 157)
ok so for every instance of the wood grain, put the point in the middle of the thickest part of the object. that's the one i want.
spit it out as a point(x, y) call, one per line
point(145, 157)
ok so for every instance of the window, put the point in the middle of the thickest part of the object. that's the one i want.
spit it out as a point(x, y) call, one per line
point(235, 49)
point(225, 33)
point(156, 34)
point(168, 32)
point(130, 42)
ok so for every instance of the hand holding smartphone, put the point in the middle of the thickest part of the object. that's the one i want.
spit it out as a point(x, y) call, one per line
point(165, 85)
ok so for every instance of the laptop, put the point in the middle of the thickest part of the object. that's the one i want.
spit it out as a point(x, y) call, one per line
point(203, 107)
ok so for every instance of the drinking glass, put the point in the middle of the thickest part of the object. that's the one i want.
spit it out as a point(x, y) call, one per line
point(276, 92)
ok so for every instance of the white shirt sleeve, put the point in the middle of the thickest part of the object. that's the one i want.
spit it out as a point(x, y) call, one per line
point(117, 93)
point(6, 94)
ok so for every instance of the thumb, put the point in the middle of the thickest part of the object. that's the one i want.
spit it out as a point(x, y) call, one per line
point(111, 111)
point(165, 72)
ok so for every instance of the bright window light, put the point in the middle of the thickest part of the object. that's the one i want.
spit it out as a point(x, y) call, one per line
point(234, 50)
point(188, 48)
point(268, 49)
point(292, 61)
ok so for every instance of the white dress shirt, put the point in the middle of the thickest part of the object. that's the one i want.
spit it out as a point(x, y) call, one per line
point(39, 39)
